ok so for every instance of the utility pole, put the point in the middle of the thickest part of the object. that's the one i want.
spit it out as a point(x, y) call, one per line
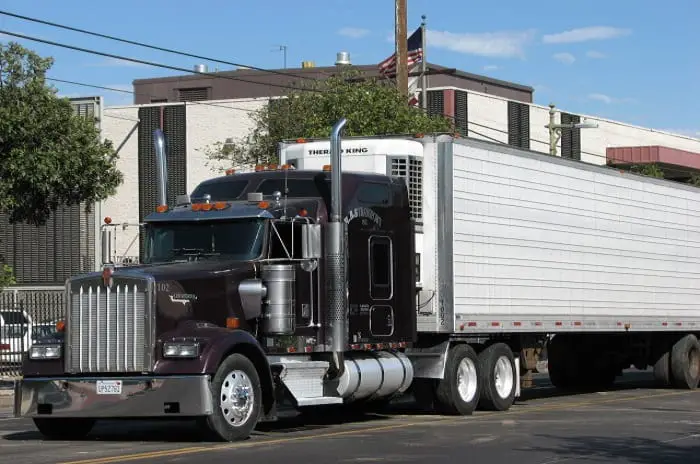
point(424, 70)
point(401, 47)
point(555, 129)
point(283, 49)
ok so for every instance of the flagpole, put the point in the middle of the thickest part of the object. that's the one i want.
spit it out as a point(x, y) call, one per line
point(424, 69)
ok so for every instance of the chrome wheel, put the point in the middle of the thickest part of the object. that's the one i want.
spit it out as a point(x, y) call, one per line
point(237, 398)
point(503, 377)
point(467, 382)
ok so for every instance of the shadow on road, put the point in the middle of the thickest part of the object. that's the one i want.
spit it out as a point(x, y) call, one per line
point(186, 431)
point(680, 449)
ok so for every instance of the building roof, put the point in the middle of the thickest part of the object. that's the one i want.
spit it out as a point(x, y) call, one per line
point(284, 74)
point(674, 162)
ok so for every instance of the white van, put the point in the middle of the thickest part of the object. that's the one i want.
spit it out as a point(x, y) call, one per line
point(15, 336)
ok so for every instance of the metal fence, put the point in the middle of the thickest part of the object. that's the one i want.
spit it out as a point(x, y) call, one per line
point(26, 314)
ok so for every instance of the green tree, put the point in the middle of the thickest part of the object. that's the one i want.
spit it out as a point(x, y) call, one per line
point(371, 106)
point(49, 156)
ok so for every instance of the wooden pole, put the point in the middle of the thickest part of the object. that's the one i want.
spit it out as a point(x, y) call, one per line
point(401, 47)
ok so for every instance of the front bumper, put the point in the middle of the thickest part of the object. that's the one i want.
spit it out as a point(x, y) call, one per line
point(184, 396)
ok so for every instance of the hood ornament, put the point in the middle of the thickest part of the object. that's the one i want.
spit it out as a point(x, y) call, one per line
point(107, 276)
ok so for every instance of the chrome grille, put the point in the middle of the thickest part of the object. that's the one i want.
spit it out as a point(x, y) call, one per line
point(107, 328)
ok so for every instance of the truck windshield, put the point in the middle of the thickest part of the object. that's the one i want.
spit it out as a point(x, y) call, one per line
point(239, 239)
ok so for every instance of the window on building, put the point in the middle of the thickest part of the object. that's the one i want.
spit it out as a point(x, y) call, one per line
point(570, 138)
point(519, 124)
point(380, 268)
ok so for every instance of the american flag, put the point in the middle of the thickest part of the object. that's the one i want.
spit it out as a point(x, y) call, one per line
point(387, 68)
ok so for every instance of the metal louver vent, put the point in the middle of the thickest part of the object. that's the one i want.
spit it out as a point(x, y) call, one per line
point(410, 168)
point(436, 102)
point(570, 138)
point(461, 112)
point(519, 124)
point(193, 94)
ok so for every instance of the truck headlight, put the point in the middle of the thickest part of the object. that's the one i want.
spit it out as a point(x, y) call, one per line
point(45, 351)
point(180, 349)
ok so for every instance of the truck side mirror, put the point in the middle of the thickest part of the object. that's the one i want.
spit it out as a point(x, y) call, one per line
point(311, 241)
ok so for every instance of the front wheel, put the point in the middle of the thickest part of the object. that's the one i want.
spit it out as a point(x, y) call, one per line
point(64, 429)
point(237, 398)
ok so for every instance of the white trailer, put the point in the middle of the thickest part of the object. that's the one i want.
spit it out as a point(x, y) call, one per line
point(514, 246)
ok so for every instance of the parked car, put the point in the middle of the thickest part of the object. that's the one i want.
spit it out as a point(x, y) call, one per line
point(15, 336)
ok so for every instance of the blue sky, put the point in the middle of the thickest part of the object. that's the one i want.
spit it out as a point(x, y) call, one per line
point(630, 60)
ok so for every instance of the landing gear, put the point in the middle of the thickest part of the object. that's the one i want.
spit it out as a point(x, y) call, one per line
point(237, 398)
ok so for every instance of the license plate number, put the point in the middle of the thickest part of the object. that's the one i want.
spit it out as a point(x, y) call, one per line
point(109, 387)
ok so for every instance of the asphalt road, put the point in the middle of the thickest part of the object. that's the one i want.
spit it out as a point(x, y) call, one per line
point(634, 424)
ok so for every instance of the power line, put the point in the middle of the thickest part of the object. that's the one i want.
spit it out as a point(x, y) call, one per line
point(151, 63)
point(145, 45)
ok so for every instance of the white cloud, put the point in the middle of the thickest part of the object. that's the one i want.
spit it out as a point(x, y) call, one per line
point(600, 97)
point(492, 44)
point(607, 99)
point(566, 58)
point(353, 32)
point(585, 34)
point(595, 55)
point(491, 67)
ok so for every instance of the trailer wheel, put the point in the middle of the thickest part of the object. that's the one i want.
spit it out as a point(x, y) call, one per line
point(237, 398)
point(458, 392)
point(497, 368)
point(64, 428)
point(560, 360)
point(685, 362)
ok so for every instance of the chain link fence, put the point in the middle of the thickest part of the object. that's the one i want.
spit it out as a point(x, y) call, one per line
point(26, 314)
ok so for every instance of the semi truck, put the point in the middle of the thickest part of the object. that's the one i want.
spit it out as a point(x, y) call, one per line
point(362, 268)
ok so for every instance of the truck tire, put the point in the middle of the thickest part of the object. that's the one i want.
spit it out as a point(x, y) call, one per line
point(64, 428)
point(498, 384)
point(237, 399)
point(458, 392)
point(685, 362)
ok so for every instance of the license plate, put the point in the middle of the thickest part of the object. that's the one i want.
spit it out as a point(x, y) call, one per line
point(109, 387)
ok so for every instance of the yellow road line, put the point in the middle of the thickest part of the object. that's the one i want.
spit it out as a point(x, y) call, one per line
point(465, 420)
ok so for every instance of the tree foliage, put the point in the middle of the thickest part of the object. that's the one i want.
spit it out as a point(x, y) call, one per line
point(49, 156)
point(371, 106)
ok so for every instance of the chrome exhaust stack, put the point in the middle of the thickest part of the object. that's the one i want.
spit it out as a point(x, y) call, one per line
point(161, 167)
point(336, 258)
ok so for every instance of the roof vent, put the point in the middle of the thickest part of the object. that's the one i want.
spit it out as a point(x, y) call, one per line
point(308, 64)
point(342, 59)
point(200, 68)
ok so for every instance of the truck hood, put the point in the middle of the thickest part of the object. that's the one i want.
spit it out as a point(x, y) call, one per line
point(205, 290)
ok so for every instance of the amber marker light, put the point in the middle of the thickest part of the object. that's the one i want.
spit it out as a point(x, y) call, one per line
point(233, 323)
point(60, 326)
point(264, 204)
point(303, 212)
point(108, 220)
point(230, 172)
point(161, 208)
point(207, 206)
point(196, 206)
point(326, 167)
point(219, 205)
